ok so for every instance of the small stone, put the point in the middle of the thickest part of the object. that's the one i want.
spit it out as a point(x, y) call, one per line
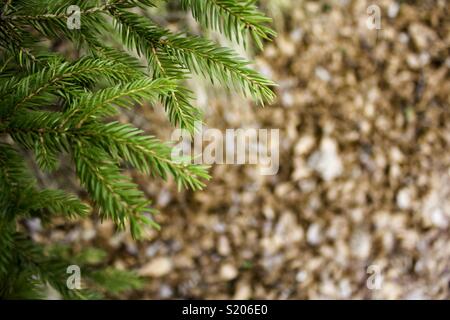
point(361, 244)
point(314, 234)
point(439, 219)
point(447, 62)
point(304, 145)
point(116, 240)
point(297, 35)
point(345, 289)
point(287, 99)
point(105, 229)
point(301, 276)
point(393, 9)
point(323, 74)
point(301, 172)
point(243, 291)
point(228, 272)
point(165, 291)
point(268, 212)
point(152, 249)
point(422, 35)
point(326, 160)
point(224, 246)
point(219, 227)
point(424, 58)
point(132, 248)
point(404, 199)
point(417, 294)
point(396, 155)
point(413, 61)
point(403, 38)
point(164, 198)
point(89, 234)
point(286, 46)
point(34, 224)
point(158, 267)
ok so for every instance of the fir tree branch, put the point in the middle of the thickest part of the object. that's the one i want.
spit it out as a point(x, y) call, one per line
point(31, 89)
point(198, 54)
point(48, 203)
point(51, 105)
point(120, 141)
point(118, 198)
point(147, 154)
point(101, 103)
point(234, 18)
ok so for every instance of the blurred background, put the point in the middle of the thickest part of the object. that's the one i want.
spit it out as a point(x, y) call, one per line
point(360, 208)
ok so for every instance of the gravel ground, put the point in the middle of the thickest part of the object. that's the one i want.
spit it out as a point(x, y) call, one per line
point(360, 207)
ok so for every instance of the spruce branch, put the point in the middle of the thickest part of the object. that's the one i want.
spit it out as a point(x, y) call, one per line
point(39, 88)
point(236, 19)
point(195, 53)
point(54, 103)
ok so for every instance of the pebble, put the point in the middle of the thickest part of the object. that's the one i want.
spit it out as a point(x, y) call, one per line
point(301, 276)
point(243, 291)
point(393, 9)
point(165, 291)
point(404, 199)
point(224, 246)
point(314, 234)
point(326, 160)
point(157, 267)
point(323, 74)
point(304, 144)
point(228, 272)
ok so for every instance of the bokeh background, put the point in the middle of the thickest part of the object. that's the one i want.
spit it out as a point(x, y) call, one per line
point(364, 179)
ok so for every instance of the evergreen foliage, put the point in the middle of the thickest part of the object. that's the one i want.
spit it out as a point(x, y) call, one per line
point(53, 104)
